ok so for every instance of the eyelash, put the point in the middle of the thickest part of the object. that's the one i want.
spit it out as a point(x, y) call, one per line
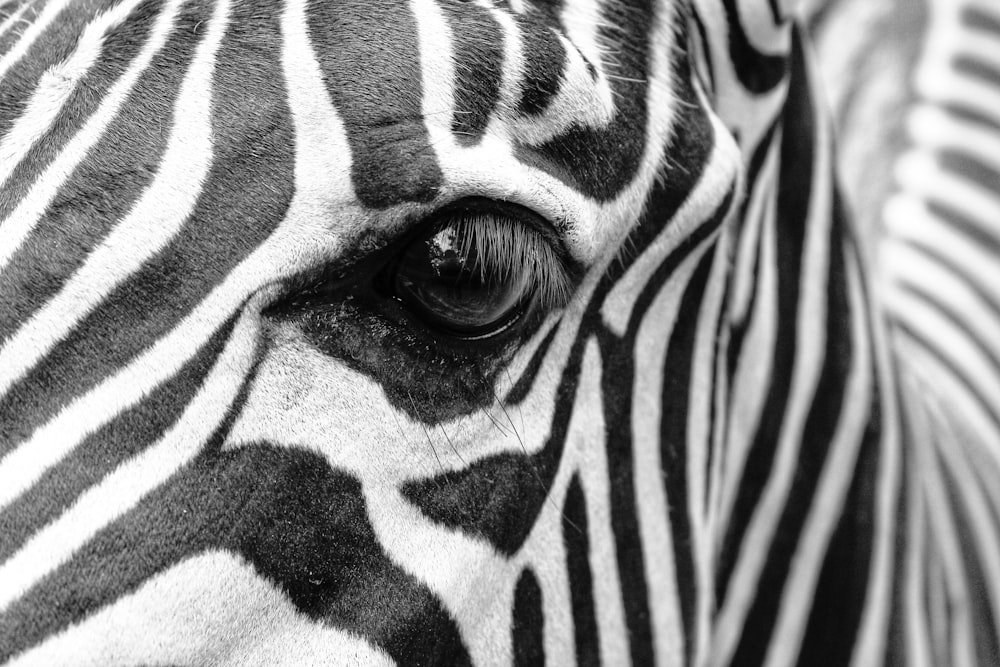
point(466, 257)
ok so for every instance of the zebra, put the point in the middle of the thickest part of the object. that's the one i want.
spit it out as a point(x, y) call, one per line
point(649, 399)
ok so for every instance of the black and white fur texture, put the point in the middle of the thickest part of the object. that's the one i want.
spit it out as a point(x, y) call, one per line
point(740, 436)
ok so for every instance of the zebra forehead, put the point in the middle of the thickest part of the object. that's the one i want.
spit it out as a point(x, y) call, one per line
point(406, 82)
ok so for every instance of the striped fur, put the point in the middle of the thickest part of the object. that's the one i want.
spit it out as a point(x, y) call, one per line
point(740, 441)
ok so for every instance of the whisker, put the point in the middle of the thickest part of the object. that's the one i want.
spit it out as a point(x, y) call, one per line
point(534, 469)
point(453, 448)
point(430, 473)
point(426, 431)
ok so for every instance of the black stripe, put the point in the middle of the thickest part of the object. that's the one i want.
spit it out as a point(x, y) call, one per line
point(690, 146)
point(119, 166)
point(499, 498)
point(248, 188)
point(544, 62)
point(528, 622)
point(831, 633)
point(550, 12)
point(974, 169)
point(974, 17)
point(686, 157)
point(985, 292)
point(978, 69)
point(967, 114)
point(479, 65)
point(110, 446)
point(794, 194)
point(895, 646)
point(975, 230)
point(677, 375)
point(942, 615)
point(757, 72)
point(933, 348)
point(754, 168)
point(980, 598)
point(720, 375)
point(599, 163)
point(739, 330)
point(581, 580)
point(379, 98)
point(974, 338)
point(817, 436)
point(300, 524)
point(706, 54)
point(56, 43)
point(986, 470)
point(775, 12)
point(121, 44)
point(522, 387)
point(29, 16)
point(617, 382)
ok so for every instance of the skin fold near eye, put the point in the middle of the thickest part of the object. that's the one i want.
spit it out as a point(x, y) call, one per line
point(477, 271)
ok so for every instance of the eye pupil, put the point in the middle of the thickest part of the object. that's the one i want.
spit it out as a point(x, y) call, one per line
point(477, 269)
point(456, 287)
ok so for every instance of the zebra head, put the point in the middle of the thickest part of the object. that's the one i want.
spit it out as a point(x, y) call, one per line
point(427, 332)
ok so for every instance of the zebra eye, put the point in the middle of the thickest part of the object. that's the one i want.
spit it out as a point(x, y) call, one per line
point(476, 272)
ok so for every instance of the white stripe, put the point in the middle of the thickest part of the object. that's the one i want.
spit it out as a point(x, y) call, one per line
point(968, 483)
point(14, 18)
point(587, 453)
point(979, 318)
point(52, 9)
point(936, 79)
point(942, 385)
point(828, 503)
point(945, 542)
point(304, 239)
point(961, 356)
point(747, 115)
point(511, 68)
point(759, 208)
point(437, 72)
point(54, 88)
point(935, 129)
point(908, 220)
point(582, 20)
point(577, 103)
point(717, 176)
point(915, 626)
point(752, 377)
point(704, 437)
point(651, 499)
point(873, 631)
point(122, 489)
point(154, 220)
point(16, 227)
point(186, 615)
point(762, 33)
point(807, 365)
point(922, 176)
point(301, 242)
point(466, 575)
